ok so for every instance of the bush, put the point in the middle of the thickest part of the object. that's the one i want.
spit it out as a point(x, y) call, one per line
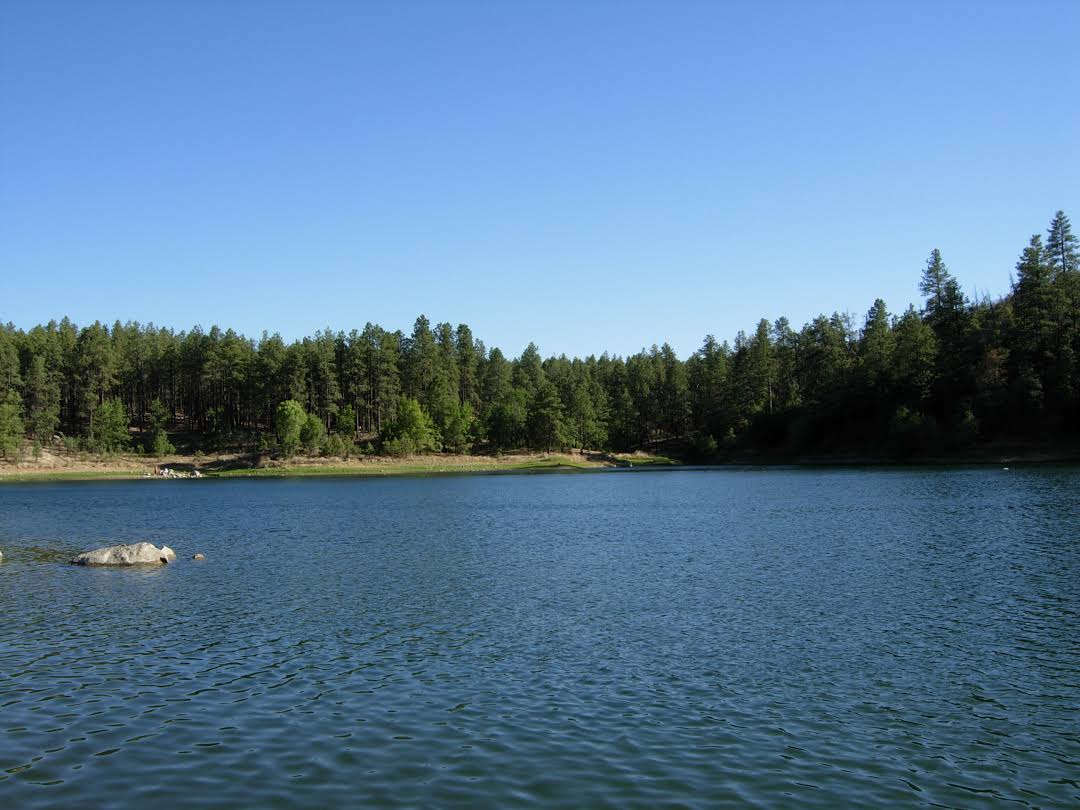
point(109, 433)
point(312, 433)
point(911, 432)
point(399, 447)
point(345, 421)
point(703, 446)
point(967, 429)
point(412, 432)
point(289, 420)
point(336, 446)
point(160, 445)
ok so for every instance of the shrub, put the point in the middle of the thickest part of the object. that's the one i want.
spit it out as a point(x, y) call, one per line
point(312, 433)
point(967, 429)
point(161, 446)
point(911, 432)
point(109, 433)
point(703, 445)
point(336, 446)
point(289, 420)
point(413, 431)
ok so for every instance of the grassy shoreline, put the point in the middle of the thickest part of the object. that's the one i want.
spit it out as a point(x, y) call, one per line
point(453, 466)
point(135, 467)
point(143, 468)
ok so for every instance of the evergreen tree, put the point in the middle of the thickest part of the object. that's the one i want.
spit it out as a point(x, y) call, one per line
point(961, 370)
point(876, 349)
point(412, 431)
point(1062, 246)
point(289, 422)
point(11, 426)
point(944, 300)
point(10, 379)
point(158, 418)
point(110, 430)
point(547, 430)
point(42, 398)
point(916, 359)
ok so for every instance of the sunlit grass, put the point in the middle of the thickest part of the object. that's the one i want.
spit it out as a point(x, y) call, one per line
point(405, 468)
point(72, 475)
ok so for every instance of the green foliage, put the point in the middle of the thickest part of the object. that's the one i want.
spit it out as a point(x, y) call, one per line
point(345, 422)
point(312, 433)
point(1062, 246)
point(945, 302)
point(967, 429)
point(109, 432)
point(157, 442)
point(505, 419)
point(952, 373)
point(11, 426)
point(10, 379)
point(336, 445)
point(289, 421)
point(911, 432)
point(458, 428)
point(547, 429)
point(412, 431)
point(42, 400)
point(161, 446)
point(703, 446)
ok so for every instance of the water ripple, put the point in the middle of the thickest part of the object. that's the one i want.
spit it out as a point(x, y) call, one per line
point(692, 639)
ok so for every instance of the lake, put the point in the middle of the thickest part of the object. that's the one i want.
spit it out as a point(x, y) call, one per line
point(812, 638)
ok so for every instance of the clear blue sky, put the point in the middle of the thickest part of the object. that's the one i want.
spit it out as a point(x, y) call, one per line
point(587, 175)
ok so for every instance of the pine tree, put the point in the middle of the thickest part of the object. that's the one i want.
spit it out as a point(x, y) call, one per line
point(11, 426)
point(546, 426)
point(42, 395)
point(1032, 290)
point(1061, 246)
point(944, 299)
point(876, 348)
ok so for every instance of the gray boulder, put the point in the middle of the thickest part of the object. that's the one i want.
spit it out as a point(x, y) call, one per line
point(134, 554)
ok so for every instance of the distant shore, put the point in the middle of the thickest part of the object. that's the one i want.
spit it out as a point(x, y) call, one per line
point(75, 467)
point(85, 466)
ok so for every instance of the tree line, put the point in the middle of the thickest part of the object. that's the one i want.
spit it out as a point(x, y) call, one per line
point(956, 372)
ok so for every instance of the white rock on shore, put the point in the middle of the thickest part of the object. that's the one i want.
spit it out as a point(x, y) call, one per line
point(134, 554)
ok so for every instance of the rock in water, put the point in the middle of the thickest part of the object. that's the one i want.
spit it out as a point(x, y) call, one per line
point(198, 556)
point(134, 554)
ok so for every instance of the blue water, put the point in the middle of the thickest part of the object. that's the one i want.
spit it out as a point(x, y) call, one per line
point(628, 639)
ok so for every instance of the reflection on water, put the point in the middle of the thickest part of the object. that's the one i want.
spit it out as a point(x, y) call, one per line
point(799, 638)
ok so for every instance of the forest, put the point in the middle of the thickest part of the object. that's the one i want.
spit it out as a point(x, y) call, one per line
point(954, 374)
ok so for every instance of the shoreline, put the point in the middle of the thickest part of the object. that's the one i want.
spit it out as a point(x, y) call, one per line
point(133, 467)
point(225, 466)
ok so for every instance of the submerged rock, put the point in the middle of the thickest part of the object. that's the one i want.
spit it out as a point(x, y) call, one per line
point(134, 554)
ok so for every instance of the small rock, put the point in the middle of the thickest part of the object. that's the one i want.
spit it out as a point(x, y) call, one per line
point(198, 556)
point(134, 554)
